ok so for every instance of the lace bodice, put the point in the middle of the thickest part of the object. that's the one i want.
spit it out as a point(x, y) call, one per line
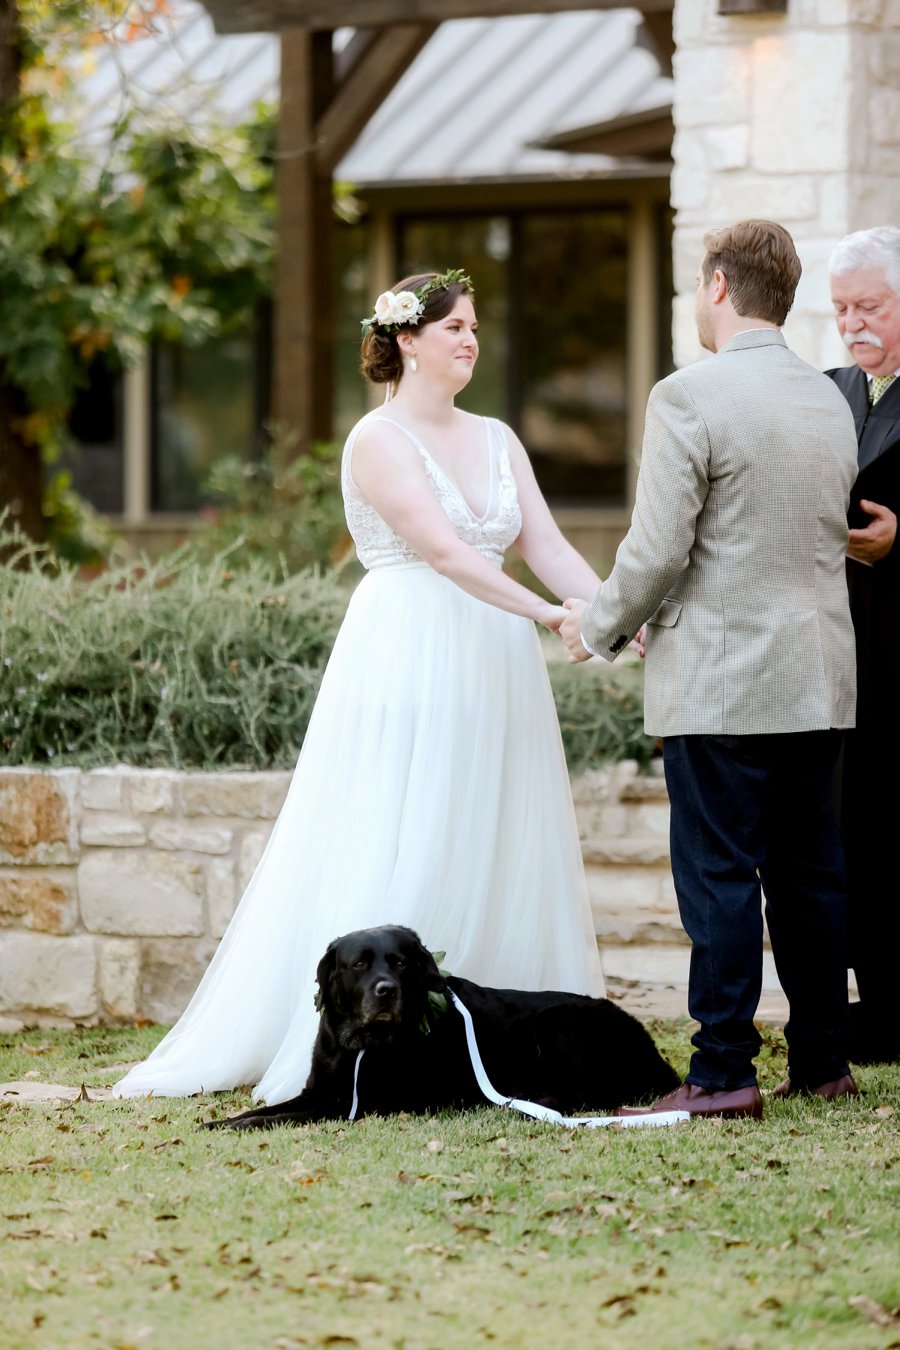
point(377, 545)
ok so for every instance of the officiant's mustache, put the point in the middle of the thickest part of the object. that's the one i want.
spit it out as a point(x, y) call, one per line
point(850, 339)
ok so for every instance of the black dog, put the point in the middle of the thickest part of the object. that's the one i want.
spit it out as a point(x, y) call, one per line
point(380, 991)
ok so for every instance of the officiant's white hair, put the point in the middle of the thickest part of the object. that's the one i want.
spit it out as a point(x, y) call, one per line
point(879, 247)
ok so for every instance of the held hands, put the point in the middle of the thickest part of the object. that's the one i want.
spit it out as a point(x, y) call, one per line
point(876, 540)
point(570, 630)
point(551, 617)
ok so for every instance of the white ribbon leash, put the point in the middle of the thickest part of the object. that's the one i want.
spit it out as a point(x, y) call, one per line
point(546, 1113)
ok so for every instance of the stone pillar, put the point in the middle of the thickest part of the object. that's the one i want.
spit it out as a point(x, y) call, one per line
point(793, 117)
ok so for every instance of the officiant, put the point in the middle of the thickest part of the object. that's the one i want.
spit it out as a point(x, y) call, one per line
point(865, 290)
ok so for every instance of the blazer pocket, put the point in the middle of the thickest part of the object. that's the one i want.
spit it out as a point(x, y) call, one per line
point(667, 614)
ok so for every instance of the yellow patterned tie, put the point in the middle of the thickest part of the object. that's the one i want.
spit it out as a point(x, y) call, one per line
point(880, 385)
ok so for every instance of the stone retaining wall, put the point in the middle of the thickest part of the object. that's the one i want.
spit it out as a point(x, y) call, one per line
point(116, 884)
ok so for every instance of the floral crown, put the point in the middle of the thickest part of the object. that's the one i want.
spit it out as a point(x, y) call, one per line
point(392, 310)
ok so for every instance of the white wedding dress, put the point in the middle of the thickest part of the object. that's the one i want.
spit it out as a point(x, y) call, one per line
point(431, 791)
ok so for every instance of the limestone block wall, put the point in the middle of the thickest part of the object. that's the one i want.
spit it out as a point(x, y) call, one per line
point(116, 884)
point(795, 117)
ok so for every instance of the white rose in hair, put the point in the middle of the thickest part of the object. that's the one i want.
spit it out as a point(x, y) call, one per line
point(407, 307)
point(384, 307)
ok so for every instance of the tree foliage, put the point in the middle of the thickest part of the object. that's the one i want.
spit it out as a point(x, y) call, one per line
point(171, 236)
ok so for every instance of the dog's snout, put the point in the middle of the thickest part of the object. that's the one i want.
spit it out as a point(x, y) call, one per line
point(383, 988)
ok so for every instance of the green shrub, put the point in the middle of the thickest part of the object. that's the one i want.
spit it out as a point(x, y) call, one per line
point(281, 506)
point(601, 713)
point(191, 663)
point(178, 662)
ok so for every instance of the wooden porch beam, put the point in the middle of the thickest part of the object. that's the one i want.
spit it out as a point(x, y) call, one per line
point(364, 87)
point(648, 133)
point(658, 26)
point(302, 375)
point(254, 16)
point(320, 116)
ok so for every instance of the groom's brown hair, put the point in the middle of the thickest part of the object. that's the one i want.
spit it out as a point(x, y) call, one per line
point(760, 264)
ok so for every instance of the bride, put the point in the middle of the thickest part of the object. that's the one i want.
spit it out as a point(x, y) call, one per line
point(431, 789)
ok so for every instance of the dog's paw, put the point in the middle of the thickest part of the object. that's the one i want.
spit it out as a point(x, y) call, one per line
point(251, 1121)
point(248, 1122)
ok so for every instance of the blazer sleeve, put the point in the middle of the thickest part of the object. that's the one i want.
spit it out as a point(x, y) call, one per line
point(672, 487)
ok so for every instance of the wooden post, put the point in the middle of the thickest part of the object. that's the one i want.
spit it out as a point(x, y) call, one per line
point(21, 475)
point(642, 356)
point(303, 378)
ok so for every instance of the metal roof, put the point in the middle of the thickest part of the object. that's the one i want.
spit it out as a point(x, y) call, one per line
point(479, 102)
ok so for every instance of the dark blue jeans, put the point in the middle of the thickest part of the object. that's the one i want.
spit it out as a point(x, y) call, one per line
point(752, 813)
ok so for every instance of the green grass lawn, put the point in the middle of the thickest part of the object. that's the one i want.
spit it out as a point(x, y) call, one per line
point(122, 1224)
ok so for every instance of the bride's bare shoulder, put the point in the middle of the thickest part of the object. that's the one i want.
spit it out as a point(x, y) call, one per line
point(382, 447)
point(373, 431)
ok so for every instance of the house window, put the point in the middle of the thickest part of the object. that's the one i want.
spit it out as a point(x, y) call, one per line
point(481, 246)
point(665, 271)
point(551, 292)
point(95, 457)
point(204, 407)
point(353, 301)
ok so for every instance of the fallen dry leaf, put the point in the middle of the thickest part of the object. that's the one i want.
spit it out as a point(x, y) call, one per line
point(874, 1312)
point(152, 1258)
point(307, 1176)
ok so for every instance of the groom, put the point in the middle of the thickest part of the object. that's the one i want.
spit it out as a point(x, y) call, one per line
point(735, 563)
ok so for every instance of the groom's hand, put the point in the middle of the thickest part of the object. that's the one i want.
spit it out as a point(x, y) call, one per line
point(570, 630)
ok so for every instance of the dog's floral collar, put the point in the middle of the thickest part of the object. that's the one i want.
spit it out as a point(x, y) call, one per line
point(437, 1002)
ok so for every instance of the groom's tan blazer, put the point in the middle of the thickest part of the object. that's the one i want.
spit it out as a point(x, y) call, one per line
point(735, 555)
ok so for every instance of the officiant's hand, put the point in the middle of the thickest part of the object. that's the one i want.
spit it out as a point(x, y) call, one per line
point(876, 540)
point(570, 630)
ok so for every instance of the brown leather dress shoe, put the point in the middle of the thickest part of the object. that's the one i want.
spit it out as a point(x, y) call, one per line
point(840, 1087)
point(745, 1101)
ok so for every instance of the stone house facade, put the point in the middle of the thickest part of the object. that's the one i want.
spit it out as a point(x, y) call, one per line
point(794, 117)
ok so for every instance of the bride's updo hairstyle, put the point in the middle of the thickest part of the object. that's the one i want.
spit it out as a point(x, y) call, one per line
point(380, 358)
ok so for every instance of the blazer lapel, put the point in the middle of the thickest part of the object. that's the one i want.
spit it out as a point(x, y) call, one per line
point(855, 388)
point(876, 428)
point(882, 428)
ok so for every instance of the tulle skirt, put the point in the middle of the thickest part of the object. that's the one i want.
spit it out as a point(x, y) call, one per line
point(431, 791)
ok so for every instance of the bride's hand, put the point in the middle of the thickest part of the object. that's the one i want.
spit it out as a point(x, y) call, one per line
point(551, 617)
point(637, 643)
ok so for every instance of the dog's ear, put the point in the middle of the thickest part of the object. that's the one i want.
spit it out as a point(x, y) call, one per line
point(427, 964)
point(325, 973)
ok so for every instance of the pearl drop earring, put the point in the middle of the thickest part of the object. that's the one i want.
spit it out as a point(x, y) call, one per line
point(413, 364)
